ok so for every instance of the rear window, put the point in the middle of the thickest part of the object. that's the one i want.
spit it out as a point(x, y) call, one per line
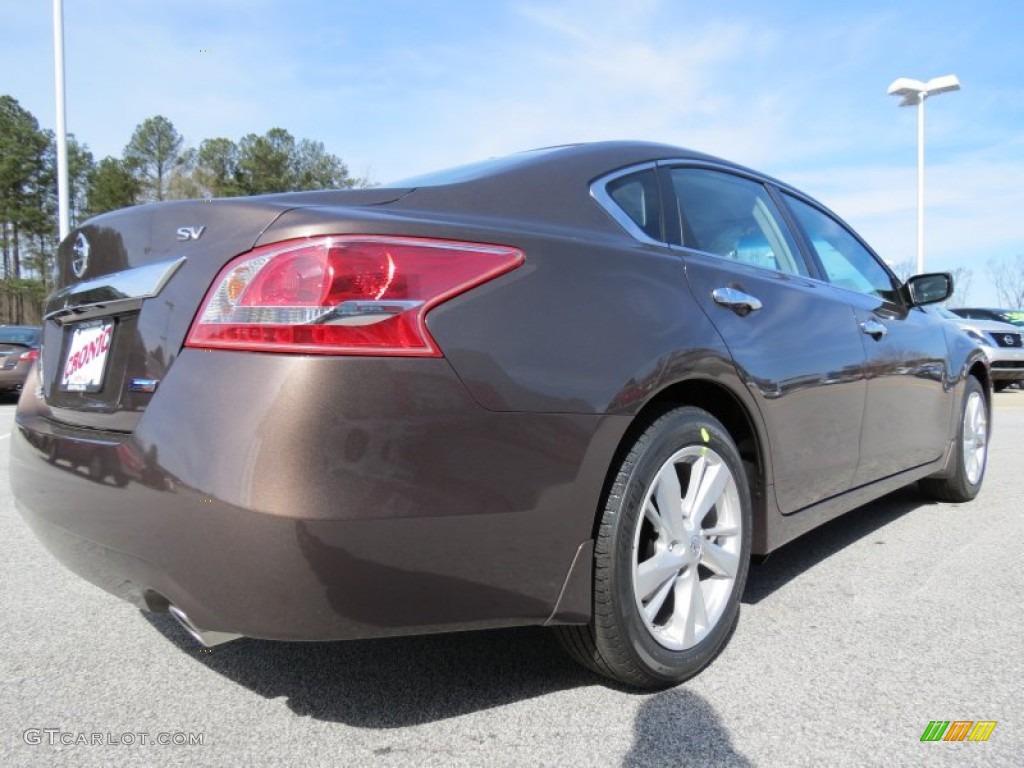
point(19, 335)
point(473, 171)
point(638, 197)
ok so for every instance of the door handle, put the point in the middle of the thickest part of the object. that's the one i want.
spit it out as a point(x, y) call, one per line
point(874, 329)
point(739, 302)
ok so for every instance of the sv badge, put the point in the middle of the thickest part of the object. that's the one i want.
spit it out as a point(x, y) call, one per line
point(190, 233)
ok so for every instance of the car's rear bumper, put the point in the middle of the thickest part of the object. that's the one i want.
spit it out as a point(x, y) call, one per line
point(13, 378)
point(321, 498)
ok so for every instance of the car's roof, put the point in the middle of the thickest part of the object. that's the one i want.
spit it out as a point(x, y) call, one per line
point(600, 157)
point(539, 185)
point(542, 185)
point(994, 326)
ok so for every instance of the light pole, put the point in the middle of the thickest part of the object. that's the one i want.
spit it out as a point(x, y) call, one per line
point(914, 92)
point(63, 219)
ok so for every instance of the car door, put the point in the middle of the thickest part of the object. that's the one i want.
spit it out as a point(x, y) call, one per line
point(909, 399)
point(794, 342)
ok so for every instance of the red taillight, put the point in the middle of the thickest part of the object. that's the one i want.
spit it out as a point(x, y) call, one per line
point(342, 295)
point(32, 354)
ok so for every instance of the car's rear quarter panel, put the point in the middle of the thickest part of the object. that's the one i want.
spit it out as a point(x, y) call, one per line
point(594, 322)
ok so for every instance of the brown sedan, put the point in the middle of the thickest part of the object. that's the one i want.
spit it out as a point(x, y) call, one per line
point(576, 387)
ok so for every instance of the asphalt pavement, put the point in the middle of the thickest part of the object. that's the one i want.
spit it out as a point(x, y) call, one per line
point(851, 640)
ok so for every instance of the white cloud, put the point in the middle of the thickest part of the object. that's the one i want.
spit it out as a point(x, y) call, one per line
point(789, 89)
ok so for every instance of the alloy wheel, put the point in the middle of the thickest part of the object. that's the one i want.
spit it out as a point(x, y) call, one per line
point(975, 437)
point(686, 547)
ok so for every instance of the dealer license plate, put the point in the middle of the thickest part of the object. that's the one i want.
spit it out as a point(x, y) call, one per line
point(87, 355)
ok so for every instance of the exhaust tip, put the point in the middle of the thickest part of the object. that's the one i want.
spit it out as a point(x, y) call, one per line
point(206, 637)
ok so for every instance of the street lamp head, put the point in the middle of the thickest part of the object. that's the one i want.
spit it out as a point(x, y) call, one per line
point(913, 92)
point(943, 84)
point(909, 89)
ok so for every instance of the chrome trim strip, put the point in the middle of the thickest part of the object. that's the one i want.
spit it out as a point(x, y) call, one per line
point(599, 191)
point(126, 288)
point(366, 312)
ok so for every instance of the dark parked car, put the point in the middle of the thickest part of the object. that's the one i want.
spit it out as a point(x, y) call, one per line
point(1012, 316)
point(574, 387)
point(19, 349)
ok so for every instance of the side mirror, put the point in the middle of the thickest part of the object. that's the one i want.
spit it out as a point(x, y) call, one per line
point(928, 289)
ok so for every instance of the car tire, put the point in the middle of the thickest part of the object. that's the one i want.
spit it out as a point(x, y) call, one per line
point(999, 386)
point(970, 450)
point(666, 587)
point(96, 469)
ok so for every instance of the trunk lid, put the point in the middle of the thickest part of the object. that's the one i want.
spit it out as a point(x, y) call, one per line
point(128, 286)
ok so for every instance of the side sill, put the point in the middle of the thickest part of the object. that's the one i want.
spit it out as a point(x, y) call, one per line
point(783, 529)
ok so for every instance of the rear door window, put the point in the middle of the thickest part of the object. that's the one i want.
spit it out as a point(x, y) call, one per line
point(735, 218)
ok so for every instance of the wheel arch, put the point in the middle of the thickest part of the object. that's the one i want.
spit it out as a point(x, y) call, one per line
point(735, 415)
point(977, 368)
point(980, 371)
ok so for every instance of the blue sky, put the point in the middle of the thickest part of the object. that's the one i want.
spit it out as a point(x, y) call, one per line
point(395, 88)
